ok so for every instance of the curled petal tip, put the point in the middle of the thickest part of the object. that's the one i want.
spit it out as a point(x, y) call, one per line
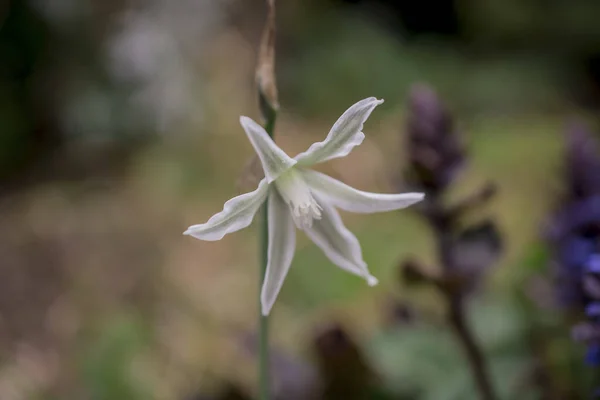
point(372, 281)
point(190, 230)
point(247, 122)
point(373, 99)
point(265, 308)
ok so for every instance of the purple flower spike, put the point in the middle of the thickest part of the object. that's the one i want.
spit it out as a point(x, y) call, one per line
point(592, 356)
point(593, 310)
point(574, 236)
point(435, 150)
point(593, 264)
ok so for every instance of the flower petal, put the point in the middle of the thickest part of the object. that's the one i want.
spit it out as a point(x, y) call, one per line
point(343, 136)
point(237, 214)
point(337, 242)
point(282, 244)
point(274, 160)
point(347, 198)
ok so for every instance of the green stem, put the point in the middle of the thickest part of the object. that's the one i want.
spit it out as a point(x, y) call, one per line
point(263, 326)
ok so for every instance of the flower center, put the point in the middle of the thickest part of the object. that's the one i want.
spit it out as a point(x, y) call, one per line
point(297, 195)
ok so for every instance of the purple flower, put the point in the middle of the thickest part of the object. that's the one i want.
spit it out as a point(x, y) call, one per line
point(435, 151)
point(583, 162)
point(574, 235)
point(592, 356)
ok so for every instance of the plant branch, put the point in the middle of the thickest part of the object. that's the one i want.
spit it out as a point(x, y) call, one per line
point(268, 103)
point(443, 225)
point(477, 364)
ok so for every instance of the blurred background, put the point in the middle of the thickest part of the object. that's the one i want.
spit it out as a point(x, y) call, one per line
point(119, 129)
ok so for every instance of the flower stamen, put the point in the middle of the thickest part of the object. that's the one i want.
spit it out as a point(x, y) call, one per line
point(297, 195)
point(304, 213)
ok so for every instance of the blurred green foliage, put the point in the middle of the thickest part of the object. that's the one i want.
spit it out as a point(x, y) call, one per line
point(343, 56)
point(107, 360)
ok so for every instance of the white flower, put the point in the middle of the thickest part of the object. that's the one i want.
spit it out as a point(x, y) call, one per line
point(299, 197)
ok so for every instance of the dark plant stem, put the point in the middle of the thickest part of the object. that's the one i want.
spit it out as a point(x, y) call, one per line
point(477, 364)
point(542, 377)
point(443, 221)
point(263, 326)
point(437, 154)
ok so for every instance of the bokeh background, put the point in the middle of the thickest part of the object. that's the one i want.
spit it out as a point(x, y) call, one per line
point(119, 129)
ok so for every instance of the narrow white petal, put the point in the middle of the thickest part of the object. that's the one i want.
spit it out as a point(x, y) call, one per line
point(338, 243)
point(347, 198)
point(237, 214)
point(274, 160)
point(345, 134)
point(282, 244)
